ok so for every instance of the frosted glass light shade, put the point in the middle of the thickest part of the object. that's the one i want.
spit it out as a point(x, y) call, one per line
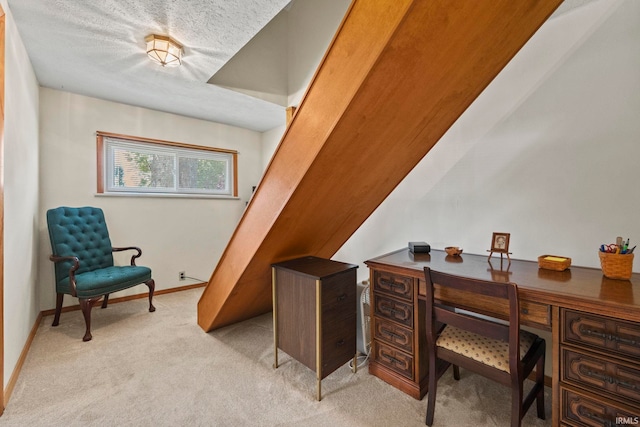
point(164, 50)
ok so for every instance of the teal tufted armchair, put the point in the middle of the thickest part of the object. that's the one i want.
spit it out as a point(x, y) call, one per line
point(83, 259)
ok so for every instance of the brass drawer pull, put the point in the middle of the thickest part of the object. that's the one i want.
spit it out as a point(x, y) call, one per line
point(393, 360)
point(602, 421)
point(390, 333)
point(609, 337)
point(607, 378)
point(399, 314)
point(392, 285)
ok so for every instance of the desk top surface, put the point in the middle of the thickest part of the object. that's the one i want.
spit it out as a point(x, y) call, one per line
point(579, 288)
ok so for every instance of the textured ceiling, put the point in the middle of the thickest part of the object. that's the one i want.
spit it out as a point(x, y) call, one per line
point(96, 48)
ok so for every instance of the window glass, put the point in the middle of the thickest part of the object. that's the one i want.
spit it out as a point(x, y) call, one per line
point(145, 166)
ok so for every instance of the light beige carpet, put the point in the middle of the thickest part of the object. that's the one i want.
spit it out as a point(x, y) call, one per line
point(161, 369)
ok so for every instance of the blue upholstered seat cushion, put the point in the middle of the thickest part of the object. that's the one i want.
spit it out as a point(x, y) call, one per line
point(106, 280)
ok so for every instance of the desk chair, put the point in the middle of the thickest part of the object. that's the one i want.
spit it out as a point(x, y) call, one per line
point(493, 349)
point(83, 259)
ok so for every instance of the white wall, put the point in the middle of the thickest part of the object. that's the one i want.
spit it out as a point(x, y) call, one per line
point(20, 196)
point(547, 153)
point(270, 141)
point(175, 234)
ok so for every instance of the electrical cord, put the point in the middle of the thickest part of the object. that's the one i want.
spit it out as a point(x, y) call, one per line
point(194, 278)
point(364, 357)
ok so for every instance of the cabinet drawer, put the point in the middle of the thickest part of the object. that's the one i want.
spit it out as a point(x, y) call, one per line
point(393, 334)
point(596, 373)
point(601, 333)
point(338, 296)
point(338, 343)
point(395, 310)
point(393, 284)
point(586, 410)
point(393, 359)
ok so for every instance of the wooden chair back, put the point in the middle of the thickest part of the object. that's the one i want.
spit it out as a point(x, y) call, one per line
point(464, 317)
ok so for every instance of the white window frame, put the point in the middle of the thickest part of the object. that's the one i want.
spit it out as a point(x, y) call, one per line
point(107, 142)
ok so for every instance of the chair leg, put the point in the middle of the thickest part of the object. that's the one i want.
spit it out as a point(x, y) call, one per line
point(431, 391)
point(540, 380)
point(56, 317)
point(516, 405)
point(456, 372)
point(86, 305)
point(105, 301)
point(151, 284)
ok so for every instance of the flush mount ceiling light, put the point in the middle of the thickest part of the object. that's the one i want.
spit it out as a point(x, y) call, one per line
point(164, 50)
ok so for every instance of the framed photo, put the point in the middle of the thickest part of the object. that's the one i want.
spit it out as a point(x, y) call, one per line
point(500, 243)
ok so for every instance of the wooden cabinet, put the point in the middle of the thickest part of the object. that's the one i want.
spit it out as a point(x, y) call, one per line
point(314, 313)
point(398, 353)
point(599, 370)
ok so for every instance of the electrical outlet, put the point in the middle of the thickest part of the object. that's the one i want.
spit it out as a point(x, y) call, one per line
point(181, 275)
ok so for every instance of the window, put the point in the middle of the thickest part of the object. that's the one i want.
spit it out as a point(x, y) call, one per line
point(129, 164)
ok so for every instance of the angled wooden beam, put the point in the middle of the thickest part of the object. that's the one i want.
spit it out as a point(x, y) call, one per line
point(395, 78)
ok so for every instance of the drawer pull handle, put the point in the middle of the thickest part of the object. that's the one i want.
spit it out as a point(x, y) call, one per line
point(398, 314)
point(390, 333)
point(525, 311)
point(392, 285)
point(340, 343)
point(392, 359)
point(607, 378)
point(609, 337)
point(342, 297)
point(589, 415)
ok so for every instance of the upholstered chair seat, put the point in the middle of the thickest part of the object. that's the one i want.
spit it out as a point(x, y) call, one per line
point(107, 280)
point(485, 350)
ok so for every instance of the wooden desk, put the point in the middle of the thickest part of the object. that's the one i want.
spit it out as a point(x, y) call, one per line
point(595, 325)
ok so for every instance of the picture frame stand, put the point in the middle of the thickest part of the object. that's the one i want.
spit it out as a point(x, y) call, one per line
point(501, 254)
point(500, 245)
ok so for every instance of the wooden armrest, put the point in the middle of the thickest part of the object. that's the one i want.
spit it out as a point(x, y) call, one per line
point(72, 270)
point(133, 257)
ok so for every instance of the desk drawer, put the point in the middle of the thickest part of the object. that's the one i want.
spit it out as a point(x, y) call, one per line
point(601, 333)
point(393, 334)
point(395, 310)
point(590, 411)
point(393, 359)
point(596, 373)
point(393, 284)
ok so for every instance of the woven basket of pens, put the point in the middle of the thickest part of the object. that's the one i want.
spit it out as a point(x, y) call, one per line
point(616, 266)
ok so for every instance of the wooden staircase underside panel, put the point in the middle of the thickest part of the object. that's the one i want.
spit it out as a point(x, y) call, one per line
point(395, 78)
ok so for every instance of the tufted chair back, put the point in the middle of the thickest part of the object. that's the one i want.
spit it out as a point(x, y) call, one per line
point(80, 232)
